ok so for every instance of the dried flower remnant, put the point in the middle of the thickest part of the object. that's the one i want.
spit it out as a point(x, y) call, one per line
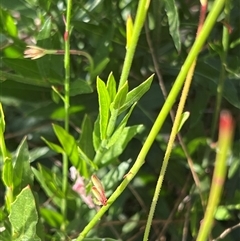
point(34, 52)
point(79, 187)
point(98, 191)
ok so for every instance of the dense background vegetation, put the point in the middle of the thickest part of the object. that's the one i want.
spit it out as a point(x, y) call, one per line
point(99, 29)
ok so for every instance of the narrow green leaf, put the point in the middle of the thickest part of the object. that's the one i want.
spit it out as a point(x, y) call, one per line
point(7, 23)
point(135, 94)
point(129, 31)
point(173, 21)
point(120, 98)
point(96, 134)
point(127, 134)
point(46, 29)
point(28, 69)
point(86, 138)
point(22, 173)
point(7, 172)
point(100, 67)
point(112, 121)
point(52, 217)
point(53, 146)
point(48, 186)
point(23, 79)
point(38, 152)
point(69, 145)
point(104, 106)
point(184, 118)
point(86, 160)
point(24, 225)
point(116, 135)
point(79, 87)
point(2, 120)
point(111, 87)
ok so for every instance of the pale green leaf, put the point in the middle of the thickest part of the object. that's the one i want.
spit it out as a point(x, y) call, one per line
point(135, 94)
point(104, 106)
point(24, 225)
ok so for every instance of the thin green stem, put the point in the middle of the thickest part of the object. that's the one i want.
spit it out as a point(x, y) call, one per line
point(66, 108)
point(210, 21)
point(169, 150)
point(3, 148)
point(224, 143)
point(138, 24)
point(175, 128)
point(220, 87)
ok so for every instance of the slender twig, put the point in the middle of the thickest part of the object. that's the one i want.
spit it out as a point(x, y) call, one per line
point(176, 205)
point(66, 109)
point(226, 127)
point(172, 114)
point(137, 27)
point(222, 77)
point(175, 127)
point(227, 231)
point(186, 222)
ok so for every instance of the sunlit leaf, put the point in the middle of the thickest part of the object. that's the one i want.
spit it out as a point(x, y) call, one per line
point(24, 225)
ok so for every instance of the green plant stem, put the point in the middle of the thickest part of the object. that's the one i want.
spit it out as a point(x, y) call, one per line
point(224, 144)
point(137, 26)
point(210, 21)
point(66, 108)
point(169, 149)
point(175, 128)
point(220, 87)
point(3, 148)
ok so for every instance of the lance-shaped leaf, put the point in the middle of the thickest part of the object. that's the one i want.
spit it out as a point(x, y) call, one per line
point(184, 118)
point(120, 98)
point(111, 87)
point(68, 143)
point(104, 106)
point(135, 94)
point(116, 135)
point(129, 30)
point(173, 21)
point(98, 191)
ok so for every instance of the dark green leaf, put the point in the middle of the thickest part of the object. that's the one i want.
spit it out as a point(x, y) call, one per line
point(22, 172)
point(28, 72)
point(173, 21)
point(86, 138)
point(53, 218)
point(45, 31)
point(79, 87)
